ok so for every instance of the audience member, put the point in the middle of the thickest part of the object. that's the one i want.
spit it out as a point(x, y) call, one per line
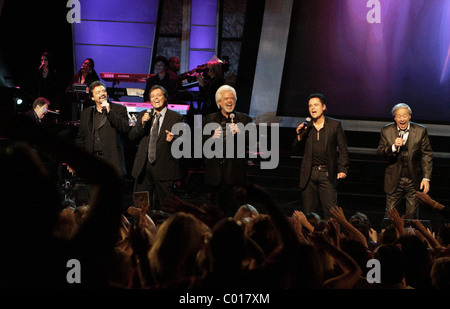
point(425, 199)
point(36, 257)
point(172, 266)
point(440, 273)
point(245, 213)
point(392, 267)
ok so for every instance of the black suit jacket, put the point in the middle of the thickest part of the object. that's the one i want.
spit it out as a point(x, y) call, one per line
point(419, 156)
point(166, 166)
point(232, 170)
point(337, 162)
point(111, 134)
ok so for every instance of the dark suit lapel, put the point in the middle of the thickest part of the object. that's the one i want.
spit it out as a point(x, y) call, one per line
point(326, 130)
point(393, 133)
point(102, 122)
point(411, 138)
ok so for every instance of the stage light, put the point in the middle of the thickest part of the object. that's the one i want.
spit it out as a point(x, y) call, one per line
point(19, 101)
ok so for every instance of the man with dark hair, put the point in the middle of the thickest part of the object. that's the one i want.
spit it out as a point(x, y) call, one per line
point(39, 109)
point(155, 169)
point(102, 127)
point(409, 155)
point(325, 157)
point(165, 78)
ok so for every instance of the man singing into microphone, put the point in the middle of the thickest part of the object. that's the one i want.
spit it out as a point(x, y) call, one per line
point(325, 157)
point(155, 169)
point(102, 127)
point(222, 174)
point(407, 148)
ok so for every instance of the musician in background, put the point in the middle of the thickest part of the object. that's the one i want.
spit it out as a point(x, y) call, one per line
point(174, 64)
point(86, 75)
point(165, 78)
point(209, 83)
point(409, 155)
point(39, 109)
point(47, 82)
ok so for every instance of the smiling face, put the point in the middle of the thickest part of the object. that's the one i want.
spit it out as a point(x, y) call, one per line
point(99, 94)
point(402, 118)
point(227, 103)
point(41, 110)
point(158, 99)
point(316, 108)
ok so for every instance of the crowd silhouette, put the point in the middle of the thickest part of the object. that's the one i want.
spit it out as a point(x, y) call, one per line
point(191, 246)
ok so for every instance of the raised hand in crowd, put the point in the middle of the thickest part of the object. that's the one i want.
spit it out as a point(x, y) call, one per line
point(338, 213)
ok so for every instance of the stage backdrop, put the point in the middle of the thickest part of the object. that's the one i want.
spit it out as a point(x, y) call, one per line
point(365, 68)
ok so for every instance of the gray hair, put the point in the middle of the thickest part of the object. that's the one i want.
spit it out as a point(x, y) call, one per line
point(401, 105)
point(220, 92)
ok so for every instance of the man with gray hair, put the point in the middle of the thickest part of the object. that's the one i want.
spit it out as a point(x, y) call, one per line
point(409, 155)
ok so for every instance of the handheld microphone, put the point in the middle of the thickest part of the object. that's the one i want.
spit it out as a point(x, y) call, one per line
point(104, 107)
point(149, 111)
point(42, 64)
point(232, 117)
point(308, 120)
point(305, 127)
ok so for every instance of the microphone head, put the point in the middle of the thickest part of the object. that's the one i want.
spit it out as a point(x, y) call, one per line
point(232, 116)
point(308, 119)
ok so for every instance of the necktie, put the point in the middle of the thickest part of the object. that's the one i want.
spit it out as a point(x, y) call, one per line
point(153, 139)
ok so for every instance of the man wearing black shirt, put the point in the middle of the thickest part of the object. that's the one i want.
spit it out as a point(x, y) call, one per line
point(325, 157)
point(102, 127)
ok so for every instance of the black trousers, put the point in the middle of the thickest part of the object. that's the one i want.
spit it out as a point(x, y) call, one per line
point(319, 190)
point(405, 189)
point(223, 195)
point(158, 190)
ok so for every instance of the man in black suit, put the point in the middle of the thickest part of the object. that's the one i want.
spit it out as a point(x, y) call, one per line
point(322, 163)
point(223, 173)
point(155, 169)
point(102, 127)
point(409, 155)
